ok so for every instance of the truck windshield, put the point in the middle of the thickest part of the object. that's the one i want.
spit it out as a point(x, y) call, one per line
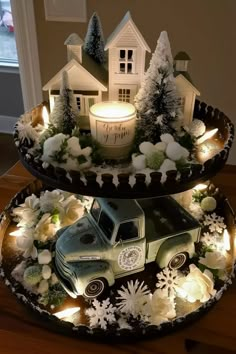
point(106, 225)
point(95, 210)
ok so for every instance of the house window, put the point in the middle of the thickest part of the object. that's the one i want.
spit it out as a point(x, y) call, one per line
point(8, 53)
point(126, 61)
point(78, 101)
point(124, 95)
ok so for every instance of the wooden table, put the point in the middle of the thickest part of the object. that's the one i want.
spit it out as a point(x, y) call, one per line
point(21, 332)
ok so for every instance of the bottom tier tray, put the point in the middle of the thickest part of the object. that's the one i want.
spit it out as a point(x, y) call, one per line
point(153, 302)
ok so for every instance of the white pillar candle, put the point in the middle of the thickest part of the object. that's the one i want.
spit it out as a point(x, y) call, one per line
point(112, 125)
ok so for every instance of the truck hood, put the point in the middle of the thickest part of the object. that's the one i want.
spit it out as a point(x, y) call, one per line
point(81, 239)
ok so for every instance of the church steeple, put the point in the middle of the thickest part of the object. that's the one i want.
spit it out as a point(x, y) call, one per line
point(74, 47)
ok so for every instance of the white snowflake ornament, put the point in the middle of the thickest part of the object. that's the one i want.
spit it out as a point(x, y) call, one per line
point(26, 132)
point(132, 299)
point(101, 314)
point(214, 222)
point(168, 281)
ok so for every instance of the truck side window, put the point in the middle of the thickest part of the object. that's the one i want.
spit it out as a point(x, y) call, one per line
point(106, 224)
point(127, 231)
point(95, 210)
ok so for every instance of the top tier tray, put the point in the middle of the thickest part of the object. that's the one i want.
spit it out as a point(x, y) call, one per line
point(127, 185)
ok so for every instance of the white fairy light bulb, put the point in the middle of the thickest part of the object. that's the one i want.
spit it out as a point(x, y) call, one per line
point(226, 238)
point(206, 136)
point(66, 313)
point(45, 116)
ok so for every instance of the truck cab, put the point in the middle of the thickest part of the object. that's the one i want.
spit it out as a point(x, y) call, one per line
point(116, 238)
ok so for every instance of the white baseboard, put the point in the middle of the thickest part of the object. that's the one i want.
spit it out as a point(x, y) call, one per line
point(7, 124)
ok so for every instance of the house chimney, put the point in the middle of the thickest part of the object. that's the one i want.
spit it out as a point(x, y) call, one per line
point(74, 47)
point(181, 61)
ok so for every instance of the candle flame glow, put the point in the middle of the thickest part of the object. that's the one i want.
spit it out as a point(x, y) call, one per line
point(66, 313)
point(226, 238)
point(200, 187)
point(45, 116)
point(207, 136)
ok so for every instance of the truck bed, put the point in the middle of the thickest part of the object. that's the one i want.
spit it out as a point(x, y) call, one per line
point(164, 217)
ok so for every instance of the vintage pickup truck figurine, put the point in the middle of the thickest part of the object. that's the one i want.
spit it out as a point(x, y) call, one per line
point(116, 238)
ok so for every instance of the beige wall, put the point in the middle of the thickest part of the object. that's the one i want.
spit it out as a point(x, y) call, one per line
point(205, 29)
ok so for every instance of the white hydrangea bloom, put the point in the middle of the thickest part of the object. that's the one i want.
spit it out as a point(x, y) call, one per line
point(132, 299)
point(139, 162)
point(213, 260)
point(214, 222)
point(101, 314)
point(167, 138)
point(44, 257)
point(168, 281)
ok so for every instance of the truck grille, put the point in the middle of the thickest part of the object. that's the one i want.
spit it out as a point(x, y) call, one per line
point(63, 266)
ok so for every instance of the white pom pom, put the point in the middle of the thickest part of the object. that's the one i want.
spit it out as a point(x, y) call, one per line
point(146, 148)
point(160, 146)
point(174, 151)
point(44, 257)
point(185, 153)
point(197, 128)
point(43, 286)
point(46, 271)
point(208, 204)
point(52, 145)
point(168, 165)
point(167, 138)
point(54, 279)
point(139, 162)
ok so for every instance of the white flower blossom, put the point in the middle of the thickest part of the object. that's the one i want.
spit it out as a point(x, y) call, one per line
point(208, 239)
point(160, 308)
point(45, 230)
point(196, 285)
point(28, 212)
point(213, 260)
point(71, 210)
point(49, 201)
point(26, 244)
point(101, 314)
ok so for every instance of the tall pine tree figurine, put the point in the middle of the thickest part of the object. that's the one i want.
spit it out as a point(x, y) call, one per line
point(94, 40)
point(157, 101)
point(65, 112)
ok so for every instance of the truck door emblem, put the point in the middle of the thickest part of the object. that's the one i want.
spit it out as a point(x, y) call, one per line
point(130, 257)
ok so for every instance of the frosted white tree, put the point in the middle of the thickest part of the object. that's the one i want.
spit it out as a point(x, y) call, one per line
point(94, 40)
point(65, 111)
point(157, 101)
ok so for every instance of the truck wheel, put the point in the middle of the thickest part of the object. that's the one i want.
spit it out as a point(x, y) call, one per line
point(178, 260)
point(95, 288)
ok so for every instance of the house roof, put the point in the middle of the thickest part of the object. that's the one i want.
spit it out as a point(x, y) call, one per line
point(74, 39)
point(184, 75)
point(125, 22)
point(95, 73)
point(182, 56)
